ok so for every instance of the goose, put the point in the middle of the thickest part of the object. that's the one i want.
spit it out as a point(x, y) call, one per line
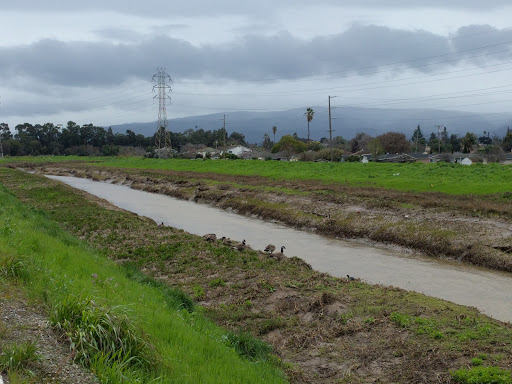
point(280, 255)
point(210, 237)
point(161, 225)
point(270, 248)
point(226, 240)
point(240, 246)
point(351, 278)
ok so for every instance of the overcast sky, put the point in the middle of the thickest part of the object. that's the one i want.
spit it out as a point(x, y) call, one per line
point(93, 61)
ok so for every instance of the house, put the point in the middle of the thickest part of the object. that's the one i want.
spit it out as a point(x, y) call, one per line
point(208, 150)
point(466, 161)
point(238, 150)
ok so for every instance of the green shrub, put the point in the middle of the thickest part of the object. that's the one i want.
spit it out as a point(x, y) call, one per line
point(482, 375)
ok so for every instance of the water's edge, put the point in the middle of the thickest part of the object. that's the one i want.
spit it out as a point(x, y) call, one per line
point(488, 290)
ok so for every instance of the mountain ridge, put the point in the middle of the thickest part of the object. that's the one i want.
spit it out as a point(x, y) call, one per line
point(346, 122)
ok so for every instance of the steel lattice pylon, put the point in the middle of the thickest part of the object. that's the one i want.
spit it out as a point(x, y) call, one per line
point(162, 136)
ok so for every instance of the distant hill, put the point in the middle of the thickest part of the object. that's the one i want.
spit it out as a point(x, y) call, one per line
point(347, 122)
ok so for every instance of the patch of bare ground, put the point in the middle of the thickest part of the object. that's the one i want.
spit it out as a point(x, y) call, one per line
point(471, 229)
point(23, 321)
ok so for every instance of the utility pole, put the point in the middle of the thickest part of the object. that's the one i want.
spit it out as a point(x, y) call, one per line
point(162, 137)
point(224, 133)
point(330, 124)
point(1, 148)
point(224, 130)
point(439, 137)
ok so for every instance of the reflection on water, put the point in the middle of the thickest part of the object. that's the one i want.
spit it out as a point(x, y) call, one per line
point(487, 290)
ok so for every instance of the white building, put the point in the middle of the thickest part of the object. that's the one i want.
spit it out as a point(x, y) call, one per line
point(239, 150)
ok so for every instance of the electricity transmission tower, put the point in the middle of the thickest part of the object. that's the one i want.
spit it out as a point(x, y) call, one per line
point(163, 136)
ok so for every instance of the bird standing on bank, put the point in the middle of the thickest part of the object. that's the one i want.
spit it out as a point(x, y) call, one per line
point(210, 237)
point(240, 246)
point(270, 248)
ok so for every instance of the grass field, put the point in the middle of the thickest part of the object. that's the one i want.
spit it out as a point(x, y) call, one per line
point(87, 293)
point(440, 177)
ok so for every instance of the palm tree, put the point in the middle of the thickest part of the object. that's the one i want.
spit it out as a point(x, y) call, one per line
point(274, 130)
point(309, 115)
point(468, 142)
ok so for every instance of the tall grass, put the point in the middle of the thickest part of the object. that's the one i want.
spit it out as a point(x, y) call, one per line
point(90, 294)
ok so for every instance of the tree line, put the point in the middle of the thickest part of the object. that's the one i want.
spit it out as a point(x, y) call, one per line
point(88, 139)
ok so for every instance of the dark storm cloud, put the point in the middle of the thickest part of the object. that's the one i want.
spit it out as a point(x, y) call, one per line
point(159, 8)
point(360, 49)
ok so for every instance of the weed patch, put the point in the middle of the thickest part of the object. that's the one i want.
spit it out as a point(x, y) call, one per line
point(482, 375)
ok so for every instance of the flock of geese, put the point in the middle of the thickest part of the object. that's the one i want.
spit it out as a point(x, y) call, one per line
point(269, 249)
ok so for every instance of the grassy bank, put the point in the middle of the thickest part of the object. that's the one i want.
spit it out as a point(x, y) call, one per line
point(329, 329)
point(440, 177)
point(159, 336)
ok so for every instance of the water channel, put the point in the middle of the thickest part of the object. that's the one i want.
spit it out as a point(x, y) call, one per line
point(490, 291)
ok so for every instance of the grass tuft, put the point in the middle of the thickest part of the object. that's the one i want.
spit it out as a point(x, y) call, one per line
point(247, 346)
point(17, 357)
point(97, 333)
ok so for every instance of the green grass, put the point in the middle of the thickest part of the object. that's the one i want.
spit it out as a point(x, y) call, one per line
point(17, 357)
point(440, 177)
point(482, 375)
point(58, 268)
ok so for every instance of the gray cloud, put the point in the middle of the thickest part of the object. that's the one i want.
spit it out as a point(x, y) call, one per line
point(360, 49)
point(159, 8)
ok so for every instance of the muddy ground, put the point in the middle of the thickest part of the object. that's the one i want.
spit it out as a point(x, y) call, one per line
point(471, 229)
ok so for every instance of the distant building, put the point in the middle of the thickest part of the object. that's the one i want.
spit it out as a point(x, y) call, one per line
point(466, 161)
point(239, 150)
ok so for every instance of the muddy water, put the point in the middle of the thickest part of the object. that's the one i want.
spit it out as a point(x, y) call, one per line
point(487, 290)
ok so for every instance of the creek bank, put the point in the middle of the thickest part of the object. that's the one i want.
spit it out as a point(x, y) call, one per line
point(481, 236)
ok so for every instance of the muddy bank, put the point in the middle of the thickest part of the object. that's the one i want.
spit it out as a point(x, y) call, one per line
point(471, 229)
